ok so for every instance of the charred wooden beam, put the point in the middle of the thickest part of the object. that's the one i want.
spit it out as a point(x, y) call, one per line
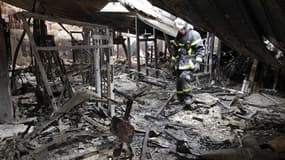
point(212, 42)
point(138, 44)
point(55, 48)
point(155, 53)
point(219, 53)
point(95, 124)
point(146, 137)
point(129, 52)
point(58, 19)
point(252, 76)
point(153, 83)
point(144, 145)
point(75, 100)
point(110, 73)
point(166, 103)
point(6, 114)
point(146, 37)
point(131, 97)
point(65, 138)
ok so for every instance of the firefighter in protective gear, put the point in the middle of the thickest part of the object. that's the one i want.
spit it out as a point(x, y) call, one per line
point(188, 54)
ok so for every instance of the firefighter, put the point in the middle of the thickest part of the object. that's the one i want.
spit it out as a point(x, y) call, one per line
point(187, 56)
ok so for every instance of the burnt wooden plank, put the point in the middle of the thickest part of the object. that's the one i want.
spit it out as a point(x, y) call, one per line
point(5, 101)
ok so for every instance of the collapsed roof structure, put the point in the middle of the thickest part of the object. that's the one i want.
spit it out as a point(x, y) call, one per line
point(243, 25)
point(76, 96)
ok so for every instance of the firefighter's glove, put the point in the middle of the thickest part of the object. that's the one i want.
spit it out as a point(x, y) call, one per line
point(196, 67)
point(183, 51)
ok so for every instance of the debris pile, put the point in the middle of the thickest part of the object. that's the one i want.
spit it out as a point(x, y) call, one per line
point(93, 107)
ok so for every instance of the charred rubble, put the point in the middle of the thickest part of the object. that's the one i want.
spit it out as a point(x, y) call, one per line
point(105, 93)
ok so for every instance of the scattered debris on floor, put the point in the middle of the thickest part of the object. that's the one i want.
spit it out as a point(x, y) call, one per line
point(71, 98)
point(218, 125)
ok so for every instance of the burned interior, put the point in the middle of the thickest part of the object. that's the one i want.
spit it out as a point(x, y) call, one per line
point(104, 79)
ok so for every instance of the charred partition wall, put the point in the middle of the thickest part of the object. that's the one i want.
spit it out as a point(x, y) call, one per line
point(57, 81)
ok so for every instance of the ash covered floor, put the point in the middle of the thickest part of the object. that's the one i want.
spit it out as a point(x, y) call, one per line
point(70, 101)
point(220, 124)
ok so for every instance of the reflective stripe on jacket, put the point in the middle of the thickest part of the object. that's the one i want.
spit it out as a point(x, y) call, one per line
point(188, 47)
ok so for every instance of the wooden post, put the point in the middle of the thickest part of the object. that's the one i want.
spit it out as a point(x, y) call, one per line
point(6, 113)
point(218, 68)
point(212, 42)
point(118, 47)
point(155, 53)
point(110, 74)
point(138, 44)
point(146, 53)
point(97, 58)
point(276, 79)
point(151, 54)
point(129, 51)
point(167, 43)
point(252, 75)
point(206, 69)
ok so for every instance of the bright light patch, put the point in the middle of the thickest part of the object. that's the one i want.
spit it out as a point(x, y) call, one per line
point(114, 7)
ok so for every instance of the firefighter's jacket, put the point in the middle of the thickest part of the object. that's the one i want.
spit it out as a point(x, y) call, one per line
point(189, 49)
